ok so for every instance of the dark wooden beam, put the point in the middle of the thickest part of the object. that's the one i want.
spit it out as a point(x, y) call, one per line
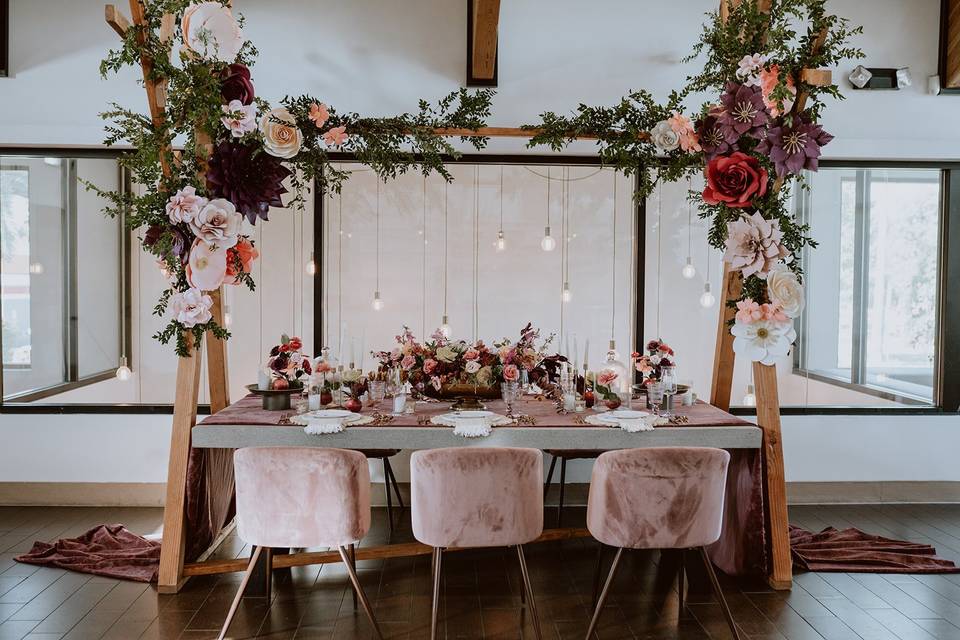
point(950, 44)
point(4, 38)
point(483, 21)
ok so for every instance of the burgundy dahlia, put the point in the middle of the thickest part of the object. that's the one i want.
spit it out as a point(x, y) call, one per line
point(794, 145)
point(247, 177)
point(180, 240)
point(713, 138)
point(237, 84)
point(743, 111)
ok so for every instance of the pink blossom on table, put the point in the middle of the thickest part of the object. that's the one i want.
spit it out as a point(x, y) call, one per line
point(207, 266)
point(643, 365)
point(471, 354)
point(336, 136)
point(507, 354)
point(769, 78)
point(606, 377)
point(323, 367)
point(748, 68)
point(429, 366)
point(319, 114)
point(511, 373)
point(436, 383)
point(184, 205)
point(754, 245)
point(239, 118)
point(408, 362)
point(218, 223)
point(191, 307)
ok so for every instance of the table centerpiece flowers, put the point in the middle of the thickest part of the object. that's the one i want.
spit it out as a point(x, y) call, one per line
point(287, 365)
point(650, 364)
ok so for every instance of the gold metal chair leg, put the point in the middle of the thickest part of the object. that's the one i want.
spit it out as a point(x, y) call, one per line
point(243, 585)
point(437, 561)
point(604, 593)
point(356, 586)
point(719, 593)
point(531, 603)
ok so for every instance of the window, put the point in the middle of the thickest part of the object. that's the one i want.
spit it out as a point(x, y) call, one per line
point(870, 324)
point(62, 275)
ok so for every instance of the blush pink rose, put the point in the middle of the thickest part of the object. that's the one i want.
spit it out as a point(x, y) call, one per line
point(471, 354)
point(606, 377)
point(511, 373)
point(408, 362)
point(429, 366)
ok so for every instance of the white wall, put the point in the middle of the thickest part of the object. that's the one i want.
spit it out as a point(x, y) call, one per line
point(379, 57)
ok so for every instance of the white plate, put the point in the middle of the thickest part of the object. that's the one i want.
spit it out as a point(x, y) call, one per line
point(332, 413)
point(470, 415)
point(627, 414)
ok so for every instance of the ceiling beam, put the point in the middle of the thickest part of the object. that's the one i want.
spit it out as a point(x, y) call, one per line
point(950, 44)
point(483, 21)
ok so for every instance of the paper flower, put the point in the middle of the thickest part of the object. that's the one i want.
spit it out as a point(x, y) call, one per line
point(684, 128)
point(749, 311)
point(748, 69)
point(237, 84)
point(785, 290)
point(281, 136)
point(207, 266)
point(744, 112)
point(179, 240)
point(664, 138)
point(217, 224)
point(184, 205)
point(211, 31)
point(769, 79)
point(795, 146)
point(753, 245)
point(319, 114)
point(712, 137)
point(253, 181)
point(335, 137)
point(239, 118)
point(191, 307)
point(763, 341)
point(240, 259)
point(735, 180)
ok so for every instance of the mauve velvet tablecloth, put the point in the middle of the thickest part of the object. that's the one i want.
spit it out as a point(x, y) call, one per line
point(741, 550)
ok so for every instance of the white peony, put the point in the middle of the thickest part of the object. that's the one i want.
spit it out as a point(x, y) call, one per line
point(281, 136)
point(218, 224)
point(785, 290)
point(446, 354)
point(472, 367)
point(207, 266)
point(211, 31)
point(764, 340)
point(664, 137)
point(191, 307)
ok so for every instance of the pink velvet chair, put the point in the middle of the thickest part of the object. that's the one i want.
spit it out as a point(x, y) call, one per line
point(301, 497)
point(658, 498)
point(477, 497)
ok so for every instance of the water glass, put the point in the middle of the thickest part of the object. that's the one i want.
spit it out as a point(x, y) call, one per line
point(510, 392)
point(655, 396)
point(377, 390)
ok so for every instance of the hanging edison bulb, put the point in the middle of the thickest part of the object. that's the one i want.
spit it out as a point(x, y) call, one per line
point(707, 298)
point(123, 371)
point(501, 242)
point(445, 327)
point(227, 316)
point(377, 302)
point(688, 271)
point(566, 295)
point(547, 243)
point(750, 399)
point(311, 266)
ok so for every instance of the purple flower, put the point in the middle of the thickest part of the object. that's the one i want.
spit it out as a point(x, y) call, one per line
point(794, 145)
point(247, 177)
point(236, 84)
point(713, 138)
point(180, 241)
point(743, 112)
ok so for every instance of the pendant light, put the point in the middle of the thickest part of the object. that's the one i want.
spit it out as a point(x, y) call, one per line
point(377, 302)
point(123, 371)
point(565, 294)
point(707, 299)
point(311, 266)
point(689, 271)
point(445, 322)
point(548, 243)
point(501, 243)
point(750, 399)
point(613, 271)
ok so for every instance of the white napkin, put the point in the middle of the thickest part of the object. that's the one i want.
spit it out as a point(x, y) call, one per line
point(324, 425)
point(472, 427)
point(635, 425)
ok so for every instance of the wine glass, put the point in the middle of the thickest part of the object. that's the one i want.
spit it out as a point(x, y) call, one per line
point(378, 391)
point(668, 378)
point(655, 396)
point(510, 392)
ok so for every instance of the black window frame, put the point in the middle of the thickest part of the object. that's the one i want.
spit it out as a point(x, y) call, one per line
point(73, 379)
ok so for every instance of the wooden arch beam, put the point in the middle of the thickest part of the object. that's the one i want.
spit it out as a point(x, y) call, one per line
point(483, 22)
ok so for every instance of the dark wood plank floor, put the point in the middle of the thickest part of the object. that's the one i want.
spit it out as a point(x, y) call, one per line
point(481, 591)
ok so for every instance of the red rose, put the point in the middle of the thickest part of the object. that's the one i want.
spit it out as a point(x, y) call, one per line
point(734, 180)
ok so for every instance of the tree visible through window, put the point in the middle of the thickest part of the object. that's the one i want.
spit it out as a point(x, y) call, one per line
point(15, 278)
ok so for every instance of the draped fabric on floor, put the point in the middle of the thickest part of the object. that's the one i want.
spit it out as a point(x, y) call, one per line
point(853, 551)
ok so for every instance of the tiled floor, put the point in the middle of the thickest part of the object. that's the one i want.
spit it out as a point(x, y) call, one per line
point(481, 591)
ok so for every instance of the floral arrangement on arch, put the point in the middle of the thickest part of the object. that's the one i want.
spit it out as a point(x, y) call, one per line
point(750, 145)
point(440, 361)
point(240, 155)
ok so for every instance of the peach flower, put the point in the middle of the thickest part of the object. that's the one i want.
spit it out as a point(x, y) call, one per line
point(511, 373)
point(184, 205)
point(319, 114)
point(246, 253)
point(336, 136)
point(471, 354)
point(281, 136)
point(769, 78)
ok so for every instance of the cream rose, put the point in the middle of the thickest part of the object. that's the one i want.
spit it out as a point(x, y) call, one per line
point(446, 354)
point(785, 290)
point(211, 31)
point(218, 224)
point(281, 137)
point(485, 376)
point(472, 367)
point(191, 307)
point(351, 375)
point(664, 137)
